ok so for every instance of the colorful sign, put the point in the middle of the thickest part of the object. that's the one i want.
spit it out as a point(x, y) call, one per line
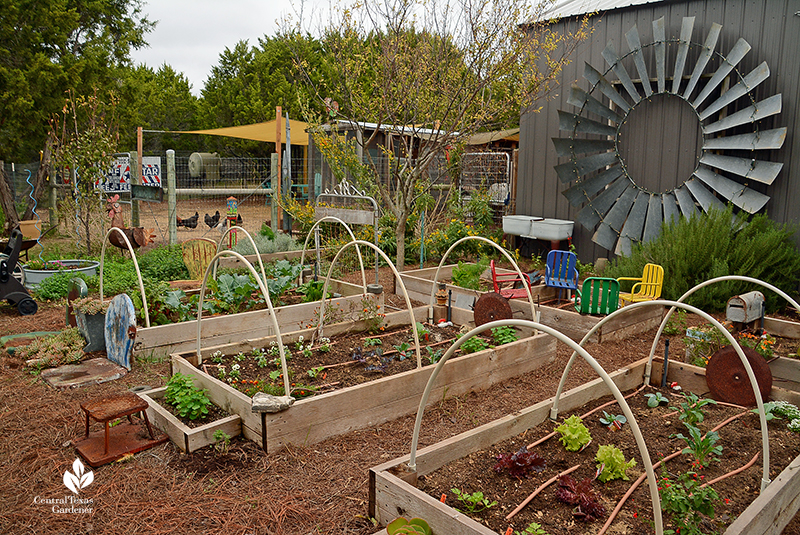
point(119, 176)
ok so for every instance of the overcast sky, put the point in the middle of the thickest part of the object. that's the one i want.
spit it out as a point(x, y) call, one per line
point(191, 34)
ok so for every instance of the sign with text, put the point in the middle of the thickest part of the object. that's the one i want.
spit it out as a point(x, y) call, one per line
point(119, 176)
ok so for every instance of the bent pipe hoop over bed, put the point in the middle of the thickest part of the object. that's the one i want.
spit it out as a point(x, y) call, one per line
point(261, 284)
point(412, 319)
point(626, 410)
point(496, 246)
point(135, 264)
point(765, 481)
point(215, 261)
point(331, 218)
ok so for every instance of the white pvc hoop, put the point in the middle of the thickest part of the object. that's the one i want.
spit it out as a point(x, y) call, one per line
point(496, 246)
point(413, 320)
point(135, 264)
point(253, 243)
point(264, 291)
point(352, 237)
point(751, 376)
point(626, 410)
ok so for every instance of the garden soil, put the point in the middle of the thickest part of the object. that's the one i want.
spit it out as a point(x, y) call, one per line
point(322, 488)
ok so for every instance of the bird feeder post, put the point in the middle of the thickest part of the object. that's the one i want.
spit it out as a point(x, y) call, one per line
point(233, 212)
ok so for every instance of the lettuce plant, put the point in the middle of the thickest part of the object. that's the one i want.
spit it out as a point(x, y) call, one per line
point(611, 463)
point(574, 435)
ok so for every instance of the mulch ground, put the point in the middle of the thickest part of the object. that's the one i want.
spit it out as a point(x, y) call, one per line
point(321, 488)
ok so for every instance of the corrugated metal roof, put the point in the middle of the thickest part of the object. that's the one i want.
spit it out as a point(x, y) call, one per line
point(482, 138)
point(571, 8)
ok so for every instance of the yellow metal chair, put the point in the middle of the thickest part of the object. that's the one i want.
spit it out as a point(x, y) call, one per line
point(646, 288)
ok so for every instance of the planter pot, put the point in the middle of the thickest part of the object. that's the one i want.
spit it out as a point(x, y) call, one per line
point(34, 277)
point(92, 327)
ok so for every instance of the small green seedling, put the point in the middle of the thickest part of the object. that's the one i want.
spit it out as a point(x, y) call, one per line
point(613, 421)
point(403, 350)
point(372, 342)
point(532, 529)
point(314, 372)
point(656, 399)
point(223, 441)
point(473, 503)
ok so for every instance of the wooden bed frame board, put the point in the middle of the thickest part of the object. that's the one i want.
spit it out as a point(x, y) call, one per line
point(162, 340)
point(316, 418)
point(186, 438)
point(392, 492)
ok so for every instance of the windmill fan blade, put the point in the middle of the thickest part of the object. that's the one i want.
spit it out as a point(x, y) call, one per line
point(652, 225)
point(660, 36)
point(634, 224)
point(635, 46)
point(570, 171)
point(671, 211)
point(759, 170)
point(592, 213)
point(569, 122)
point(739, 50)
point(570, 147)
point(685, 202)
point(609, 230)
point(702, 61)
point(753, 79)
point(704, 197)
point(764, 140)
point(586, 189)
point(611, 57)
point(759, 110)
point(584, 101)
point(683, 49)
point(596, 79)
point(739, 195)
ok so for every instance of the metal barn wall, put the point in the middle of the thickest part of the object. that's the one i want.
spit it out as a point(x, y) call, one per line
point(771, 27)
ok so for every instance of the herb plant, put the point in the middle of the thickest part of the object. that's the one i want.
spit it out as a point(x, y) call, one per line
point(473, 345)
point(686, 502)
point(701, 446)
point(520, 464)
point(611, 462)
point(190, 401)
point(469, 275)
point(504, 334)
point(580, 493)
point(472, 503)
point(574, 435)
point(690, 410)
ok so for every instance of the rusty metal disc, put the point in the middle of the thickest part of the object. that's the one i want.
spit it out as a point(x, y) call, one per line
point(727, 379)
point(491, 306)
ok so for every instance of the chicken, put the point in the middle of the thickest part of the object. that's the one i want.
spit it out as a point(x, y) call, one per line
point(138, 237)
point(212, 220)
point(189, 222)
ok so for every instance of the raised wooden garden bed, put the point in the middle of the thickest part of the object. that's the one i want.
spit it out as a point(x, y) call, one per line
point(393, 487)
point(312, 419)
point(420, 282)
point(162, 340)
point(187, 439)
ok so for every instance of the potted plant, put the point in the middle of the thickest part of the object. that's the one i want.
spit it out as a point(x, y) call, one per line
point(36, 270)
point(90, 314)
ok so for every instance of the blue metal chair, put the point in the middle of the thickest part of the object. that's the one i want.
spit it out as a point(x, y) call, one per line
point(561, 271)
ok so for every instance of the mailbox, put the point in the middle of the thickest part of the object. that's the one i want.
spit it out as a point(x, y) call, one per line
point(744, 308)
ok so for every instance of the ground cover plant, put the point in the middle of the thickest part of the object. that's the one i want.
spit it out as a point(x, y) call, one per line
point(607, 468)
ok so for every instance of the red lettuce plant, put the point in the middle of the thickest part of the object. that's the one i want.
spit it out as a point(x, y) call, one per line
point(580, 493)
point(520, 464)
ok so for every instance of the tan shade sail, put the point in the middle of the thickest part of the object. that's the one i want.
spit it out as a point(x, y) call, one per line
point(259, 132)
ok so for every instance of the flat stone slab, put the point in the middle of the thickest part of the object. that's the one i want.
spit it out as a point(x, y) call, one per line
point(88, 372)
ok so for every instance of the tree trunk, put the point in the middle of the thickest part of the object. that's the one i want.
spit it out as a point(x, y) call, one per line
point(400, 234)
point(7, 202)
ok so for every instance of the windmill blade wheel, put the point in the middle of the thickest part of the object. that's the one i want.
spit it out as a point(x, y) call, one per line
point(491, 306)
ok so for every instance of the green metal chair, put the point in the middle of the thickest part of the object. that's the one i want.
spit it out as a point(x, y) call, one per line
point(599, 295)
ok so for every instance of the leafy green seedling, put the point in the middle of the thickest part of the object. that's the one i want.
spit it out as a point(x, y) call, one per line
point(656, 399)
point(574, 435)
point(473, 503)
point(613, 421)
point(611, 463)
point(403, 350)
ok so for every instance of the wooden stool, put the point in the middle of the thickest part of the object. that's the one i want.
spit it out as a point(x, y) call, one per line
point(107, 409)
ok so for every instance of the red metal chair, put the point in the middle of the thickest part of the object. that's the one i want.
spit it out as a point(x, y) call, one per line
point(516, 289)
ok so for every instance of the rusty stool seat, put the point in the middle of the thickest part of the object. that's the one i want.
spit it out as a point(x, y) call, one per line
point(107, 409)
